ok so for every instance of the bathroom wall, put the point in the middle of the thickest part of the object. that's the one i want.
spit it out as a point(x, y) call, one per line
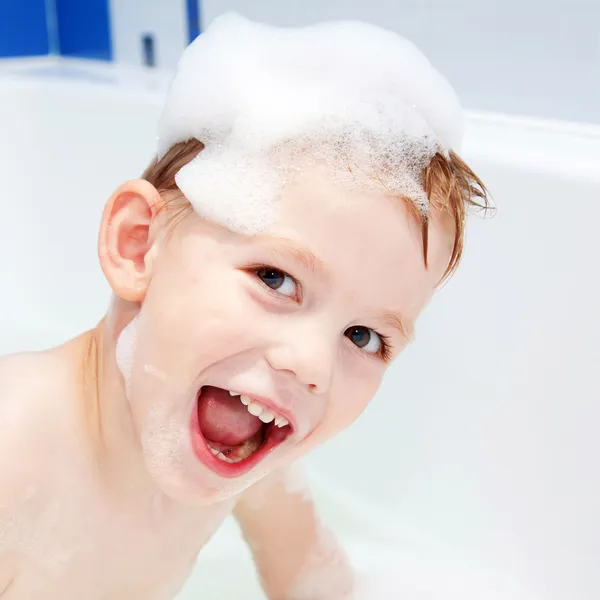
point(68, 27)
point(128, 31)
point(163, 22)
point(23, 28)
point(81, 28)
point(532, 57)
point(528, 57)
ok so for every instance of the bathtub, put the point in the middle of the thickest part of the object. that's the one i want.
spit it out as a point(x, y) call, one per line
point(475, 472)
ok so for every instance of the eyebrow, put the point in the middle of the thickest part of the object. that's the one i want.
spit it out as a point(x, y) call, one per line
point(305, 257)
point(314, 264)
point(406, 329)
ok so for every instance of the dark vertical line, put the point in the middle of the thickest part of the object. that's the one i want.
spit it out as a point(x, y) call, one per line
point(52, 25)
point(193, 19)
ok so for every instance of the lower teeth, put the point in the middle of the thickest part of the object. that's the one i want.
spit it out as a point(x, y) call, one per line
point(239, 453)
point(224, 458)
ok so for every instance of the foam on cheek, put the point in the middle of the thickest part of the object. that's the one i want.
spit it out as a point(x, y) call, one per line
point(164, 442)
point(266, 102)
point(170, 459)
point(152, 370)
point(125, 350)
point(163, 438)
point(164, 431)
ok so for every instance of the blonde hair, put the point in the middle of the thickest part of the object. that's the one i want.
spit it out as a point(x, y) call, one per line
point(452, 187)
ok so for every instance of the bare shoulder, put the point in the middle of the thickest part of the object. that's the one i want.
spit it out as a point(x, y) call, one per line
point(22, 381)
point(22, 378)
point(27, 382)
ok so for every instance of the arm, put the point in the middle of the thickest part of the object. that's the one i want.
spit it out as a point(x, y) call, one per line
point(297, 557)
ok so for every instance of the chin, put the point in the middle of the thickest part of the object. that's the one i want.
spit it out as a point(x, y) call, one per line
point(191, 467)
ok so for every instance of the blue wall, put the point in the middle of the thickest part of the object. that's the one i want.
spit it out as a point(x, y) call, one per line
point(23, 29)
point(84, 28)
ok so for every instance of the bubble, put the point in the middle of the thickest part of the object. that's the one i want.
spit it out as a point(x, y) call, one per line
point(269, 103)
point(125, 350)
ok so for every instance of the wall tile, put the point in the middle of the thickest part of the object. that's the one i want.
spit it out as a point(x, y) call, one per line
point(23, 29)
point(84, 28)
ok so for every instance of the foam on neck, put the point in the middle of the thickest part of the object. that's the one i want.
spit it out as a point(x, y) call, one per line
point(125, 351)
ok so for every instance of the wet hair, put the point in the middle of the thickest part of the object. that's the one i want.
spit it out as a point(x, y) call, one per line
point(452, 188)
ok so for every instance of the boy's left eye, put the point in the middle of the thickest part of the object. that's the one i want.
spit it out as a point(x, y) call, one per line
point(366, 339)
point(278, 280)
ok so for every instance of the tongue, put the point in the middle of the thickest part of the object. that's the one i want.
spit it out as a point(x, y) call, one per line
point(224, 419)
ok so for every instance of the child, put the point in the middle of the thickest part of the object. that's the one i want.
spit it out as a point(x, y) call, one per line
point(305, 204)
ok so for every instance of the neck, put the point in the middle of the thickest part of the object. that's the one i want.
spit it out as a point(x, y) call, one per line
point(108, 415)
point(116, 443)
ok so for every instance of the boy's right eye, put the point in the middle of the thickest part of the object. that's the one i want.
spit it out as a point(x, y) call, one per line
point(278, 281)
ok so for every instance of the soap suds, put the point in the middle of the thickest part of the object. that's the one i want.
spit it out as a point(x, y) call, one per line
point(37, 534)
point(164, 441)
point(326, 572)
point(125, 350)
point(293, 479)
point(296, 482)
point(270, 102)
point(152, 370)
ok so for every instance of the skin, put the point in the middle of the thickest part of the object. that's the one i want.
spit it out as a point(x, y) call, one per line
point(119, 506)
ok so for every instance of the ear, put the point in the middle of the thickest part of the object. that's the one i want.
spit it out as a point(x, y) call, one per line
point(126, 239)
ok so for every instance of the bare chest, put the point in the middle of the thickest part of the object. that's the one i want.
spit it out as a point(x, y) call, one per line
point(72, 549)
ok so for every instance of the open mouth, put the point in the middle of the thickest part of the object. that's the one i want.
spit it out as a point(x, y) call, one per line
point(232, 432)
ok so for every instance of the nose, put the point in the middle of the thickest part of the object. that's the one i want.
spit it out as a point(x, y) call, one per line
point(308, 356)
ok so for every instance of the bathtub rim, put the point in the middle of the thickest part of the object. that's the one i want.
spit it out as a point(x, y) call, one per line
point(558, 148)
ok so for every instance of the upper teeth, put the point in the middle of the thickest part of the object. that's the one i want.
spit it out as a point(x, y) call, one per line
point(262, 412)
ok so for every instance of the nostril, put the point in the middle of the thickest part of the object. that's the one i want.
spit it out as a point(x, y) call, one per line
point(303, 364)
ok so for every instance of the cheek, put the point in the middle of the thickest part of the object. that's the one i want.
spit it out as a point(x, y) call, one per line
point(193, 321)
point(348, 400)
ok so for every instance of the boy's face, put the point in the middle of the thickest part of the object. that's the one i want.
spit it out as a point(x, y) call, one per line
point(303, 321)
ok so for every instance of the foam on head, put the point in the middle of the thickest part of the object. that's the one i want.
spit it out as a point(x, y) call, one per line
point(270, 102)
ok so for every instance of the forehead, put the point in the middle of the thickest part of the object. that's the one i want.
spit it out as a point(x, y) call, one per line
point(371, 242)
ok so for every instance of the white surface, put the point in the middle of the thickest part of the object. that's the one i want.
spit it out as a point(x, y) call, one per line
point(166, 20)
point(480, 455)
point(535, 57)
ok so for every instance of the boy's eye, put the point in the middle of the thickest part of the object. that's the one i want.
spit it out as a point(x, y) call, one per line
point(365, 338)
point(278, 280)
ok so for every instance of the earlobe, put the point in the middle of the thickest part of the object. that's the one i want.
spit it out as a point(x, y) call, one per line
point(125, 242)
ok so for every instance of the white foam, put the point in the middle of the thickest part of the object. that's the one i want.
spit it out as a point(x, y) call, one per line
point(296, 481)
point(125, 350)
point(164, 441)
point(326, 572)
point(268, 102)
point(152, 370)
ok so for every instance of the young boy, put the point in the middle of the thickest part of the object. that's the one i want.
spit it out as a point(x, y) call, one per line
point(267, 268)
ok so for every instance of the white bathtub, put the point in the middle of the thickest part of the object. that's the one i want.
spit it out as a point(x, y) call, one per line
point(479, 460)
